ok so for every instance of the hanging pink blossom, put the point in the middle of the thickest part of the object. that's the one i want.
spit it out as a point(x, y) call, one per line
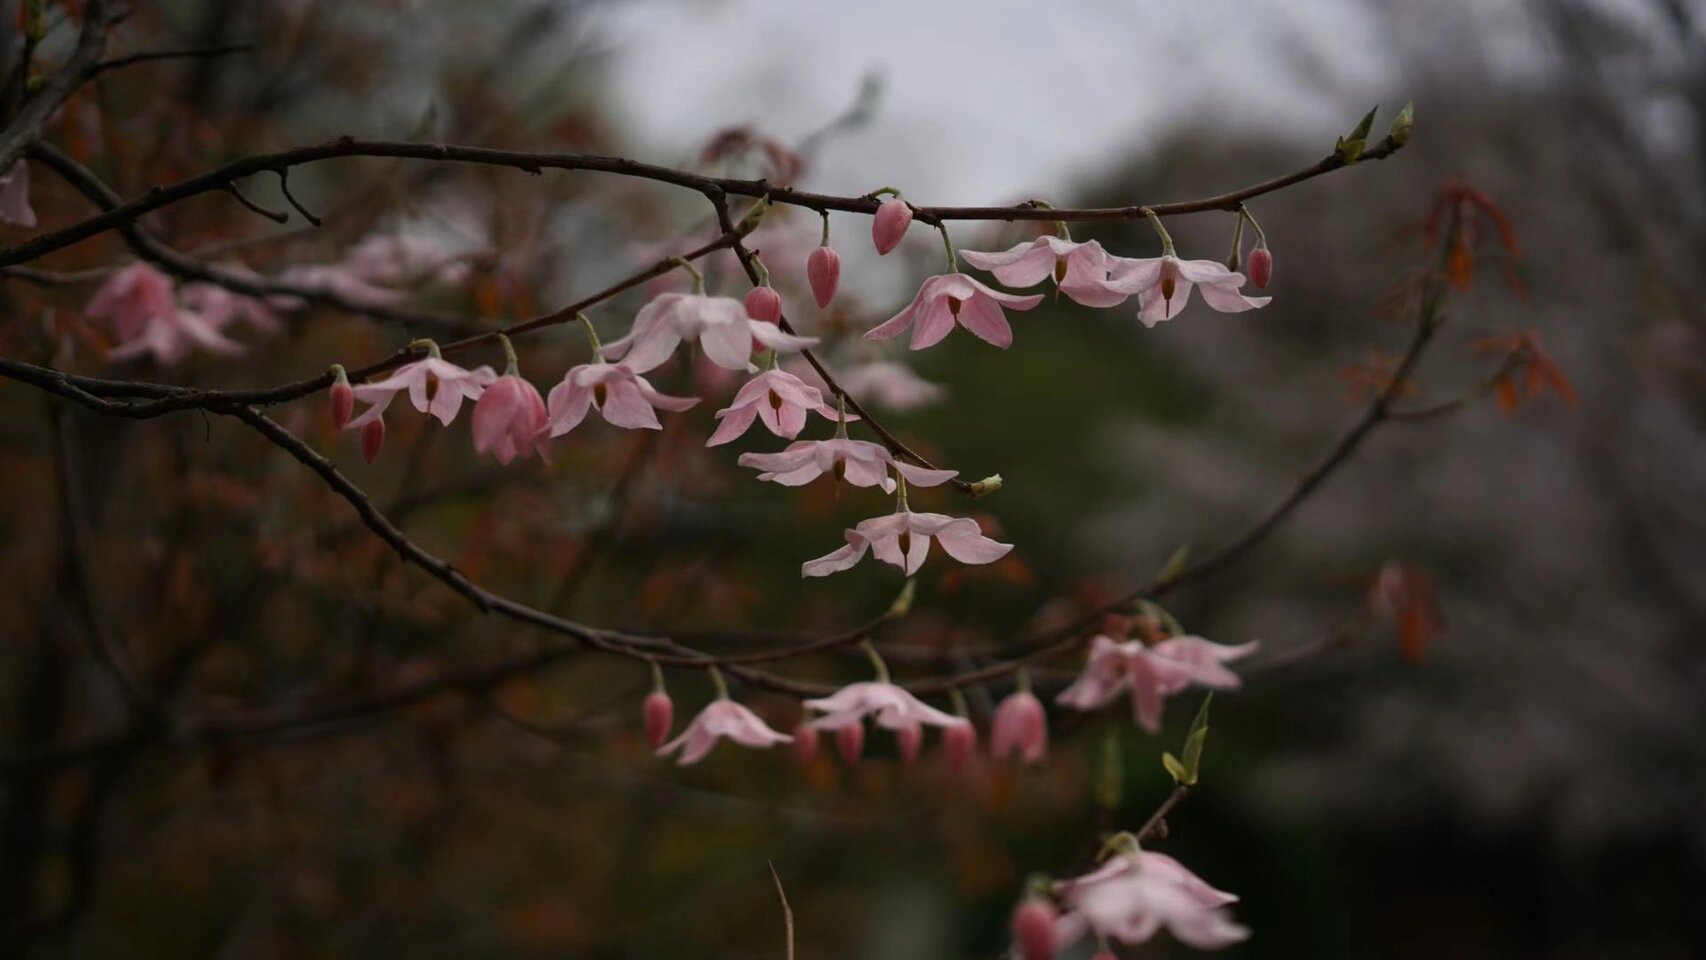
point(859, 462)
point(889, 224)
point(1079, 270)
point(823, 272)
point(1033, 927)
point(510, 420)
point(720, 324)
point(763, 304)
point(1132, 897)
point(1261, 267)
point(949, 298)
point(1020, 728)
point(903, 539)
point(890, 706)
point(958, 745)
point(1151, 673)
point(623, 397)
point(434, 385)
point(777, 399)
point(658, 712)
point(723, 720)
point(890, 385)
point(131, 299)
point(1163, 286)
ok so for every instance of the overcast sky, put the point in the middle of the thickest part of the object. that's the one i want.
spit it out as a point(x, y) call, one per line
point(987, 100)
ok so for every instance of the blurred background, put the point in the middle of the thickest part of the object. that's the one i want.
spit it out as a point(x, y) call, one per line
point(1527, 781)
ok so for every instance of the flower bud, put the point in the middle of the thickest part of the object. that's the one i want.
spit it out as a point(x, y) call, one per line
point(890, 223)
point(764, 303)
point(1020, 727)
point(342, 399)
point(372, 438)
point(909, 740)
point(659, 713)
point(1033, 928)
point(850, 742)
point(823, 270)
point(805, 742)
point(959, 742)
point(1261, 267)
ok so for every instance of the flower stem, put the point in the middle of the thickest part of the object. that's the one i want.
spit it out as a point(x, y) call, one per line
point(431, 347)
point(511, 368)
point(718, 682)
point(825, 215)
point(841, 416)
point(698, 278)
point(876, 658)
point(591, 334)
point(657, 676)
point(1166, 238)
point(1261, 238)
point(948, 245)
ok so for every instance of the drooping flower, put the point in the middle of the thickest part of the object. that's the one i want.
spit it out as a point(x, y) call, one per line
point(1163, 286)
point(170, 337)
point(341, 398)
point(958, 744)
point(891, 385)
point(908, 740)
point(850, 742)
point(891, 707)
point(1151, 673)
point(889, 224)
point(1033, 926)
point(1261, 267)
point(402, 259)
point(435, 386)
point(510, 420)
point(903, 539)
point(859, 462)
point(1020, 728)
point(624, 397)
point(720, 324)
point(15, 196)
point(951, 297)
point(763, 304)
point(338, 280)
point(131, 298)
point(805, 742)
point(372, 439)
point(1079, 270)
point(776, 398)
point(220, 305)
point(723, 719)
point(823, 272)
point(1132, 897)
point(658, 712)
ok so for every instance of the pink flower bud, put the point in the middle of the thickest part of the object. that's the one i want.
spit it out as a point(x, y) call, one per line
point(659, 713)
point(343, 403)
point(805, 742)
point(1020, 727)
point(1033, 928)
point(850, 742)
point(823, 269)
point(890, 223)
point(372, 438)
point(1261, 267)
point(765, 304)
point(959, 742)
point(909, 740)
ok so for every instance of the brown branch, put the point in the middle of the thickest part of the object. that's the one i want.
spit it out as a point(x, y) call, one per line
point(25, 128)
point(153, 56)
point(537, 162)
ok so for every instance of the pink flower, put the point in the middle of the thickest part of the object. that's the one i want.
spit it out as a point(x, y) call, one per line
point(403, 259)
point(823, 272)
point(954, 296)
point(15, 196)
point(1163, 286)
point(777, 398)
point(958, 744)
point(908, 741)
point(1261, 267)
point(1150, 673)
point(341, 398)
point(340, 281)
point(903, 539)
point(859, 462)
point(131, 299)
point(435, 386)
point(890, 385)
point(850, 742)
point(805, 742)
point(372, 438)
point(1130, 898)
point(1033, 926)
point(723, 719)
point(510, 420)
point(1020, 727)
point(892, 707)
point(170, 338)
point(1080, 270)
point(624, 397)
point(720, 324)
point(890, 223)
point(763, 304)
point(220, 306)
point(658, 711)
